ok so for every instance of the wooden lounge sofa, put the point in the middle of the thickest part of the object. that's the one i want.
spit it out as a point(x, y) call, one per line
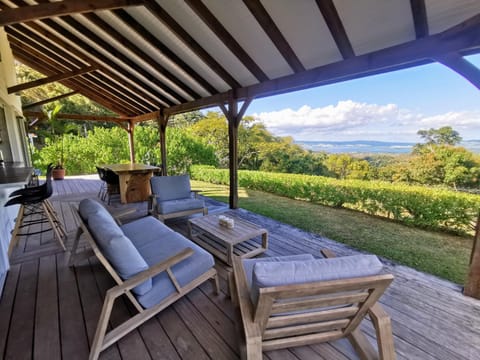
point(298, 300)
point(172, 197)
point(151, 264)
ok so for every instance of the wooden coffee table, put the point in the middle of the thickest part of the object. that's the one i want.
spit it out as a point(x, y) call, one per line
point(223, 242)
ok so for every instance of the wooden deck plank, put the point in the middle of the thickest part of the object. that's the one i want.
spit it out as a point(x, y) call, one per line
point(47, 332)
point(73, 335)
point(6, 306)
point(431, 318)
point(22, 320)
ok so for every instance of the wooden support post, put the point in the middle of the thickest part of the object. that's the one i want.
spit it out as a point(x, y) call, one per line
point(472, 285)
point(162, 129)
point(131, 130)
point(234, 116)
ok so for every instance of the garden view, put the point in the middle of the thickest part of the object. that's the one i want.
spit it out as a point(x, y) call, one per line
point(417, 209)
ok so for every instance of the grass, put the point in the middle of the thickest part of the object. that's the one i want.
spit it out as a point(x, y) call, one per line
point(441, 254)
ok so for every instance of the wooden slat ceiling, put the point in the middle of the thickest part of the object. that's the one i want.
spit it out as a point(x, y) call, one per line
point(136, 57)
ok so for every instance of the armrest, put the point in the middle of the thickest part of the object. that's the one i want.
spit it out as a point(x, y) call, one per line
point(152, 203)
point(150, 272)
point(119, 214)
point(196, 192)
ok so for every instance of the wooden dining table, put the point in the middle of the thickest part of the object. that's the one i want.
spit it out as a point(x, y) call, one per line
point(134, 180)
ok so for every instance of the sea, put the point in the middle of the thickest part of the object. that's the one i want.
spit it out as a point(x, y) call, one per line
point(375, 147)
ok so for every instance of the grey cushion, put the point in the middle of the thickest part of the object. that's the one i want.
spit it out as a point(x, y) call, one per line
point(118, 249)
point(266, 274)
point(89, 207)
point(173, 206)
point(248, 264)
point(156, 245)
point(170, 187)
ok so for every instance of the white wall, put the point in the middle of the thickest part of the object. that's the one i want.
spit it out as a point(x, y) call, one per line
point(12, 149)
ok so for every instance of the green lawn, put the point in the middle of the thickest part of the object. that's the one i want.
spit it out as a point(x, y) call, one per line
point(437, 253)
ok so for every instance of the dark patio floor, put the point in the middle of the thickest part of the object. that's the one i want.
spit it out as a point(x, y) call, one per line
point(50, 311)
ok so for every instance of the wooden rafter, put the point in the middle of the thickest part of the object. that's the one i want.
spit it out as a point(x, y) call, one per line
point(228, 40)
point(459, 64)
point(112, 50)
point(420, 21)
point(52, 99)
point(191, 43)
point(26, 58)
point(135, 93)
point(145, 117)
point(463, 37)
point(55, 61)
point(63, 116)
point(46, 10)
point(145, 57)
point(50, 79)
point(335, 25)
point(271, 29)
point(156, 43)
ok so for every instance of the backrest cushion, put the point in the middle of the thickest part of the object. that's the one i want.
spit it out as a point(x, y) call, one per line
point(114, 245)
point(267, 274)
point(170, 187)
point(90, 207)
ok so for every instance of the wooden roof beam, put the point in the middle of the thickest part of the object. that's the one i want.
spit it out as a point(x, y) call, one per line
point(137, 94)
point(461, 38)
point(51, 56)
point(107, 47)
point(52, 99)
point(50, 79)
point(420, 20)
point(228, 40)
point(462, 66)
point(274, 33)
point(190, 42)
point(59, 8)
point(145, 57)
point(89, 92)
point(63, 116)
point(156, 43)
point(335, 25)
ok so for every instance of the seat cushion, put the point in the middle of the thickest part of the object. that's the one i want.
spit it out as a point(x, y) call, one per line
point(117, 248)
point(170, 187)
point(166, 245)
point(173, 206)
point(267, 274)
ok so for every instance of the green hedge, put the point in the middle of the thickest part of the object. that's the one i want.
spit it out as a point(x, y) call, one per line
point(417, 205)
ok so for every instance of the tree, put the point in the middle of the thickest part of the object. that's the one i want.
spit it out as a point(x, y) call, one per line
point(442, 136)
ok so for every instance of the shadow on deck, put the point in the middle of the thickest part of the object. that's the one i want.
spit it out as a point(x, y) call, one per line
point(50, 311)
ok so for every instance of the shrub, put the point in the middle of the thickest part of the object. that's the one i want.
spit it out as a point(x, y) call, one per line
point(434, 208)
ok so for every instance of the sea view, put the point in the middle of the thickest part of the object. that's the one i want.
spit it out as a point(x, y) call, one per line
point(368, 146)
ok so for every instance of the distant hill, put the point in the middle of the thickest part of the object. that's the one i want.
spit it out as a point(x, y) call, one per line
point(371, 146)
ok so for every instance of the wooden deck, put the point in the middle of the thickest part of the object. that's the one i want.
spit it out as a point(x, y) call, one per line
point(50, 311)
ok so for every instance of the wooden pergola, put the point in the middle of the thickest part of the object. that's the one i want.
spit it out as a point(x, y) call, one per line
point(151, 59)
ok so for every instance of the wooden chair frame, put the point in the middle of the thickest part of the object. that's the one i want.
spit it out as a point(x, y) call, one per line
point(152, 209)
point(303, 314)
point(102, 339)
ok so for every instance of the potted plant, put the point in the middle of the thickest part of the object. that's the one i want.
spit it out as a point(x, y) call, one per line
point(58, 129)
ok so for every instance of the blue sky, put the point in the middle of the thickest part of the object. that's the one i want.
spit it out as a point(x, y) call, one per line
point(387, 107)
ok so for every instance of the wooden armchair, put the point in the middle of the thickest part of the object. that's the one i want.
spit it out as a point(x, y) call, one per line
point(275, 316)
point(172, 197)
point(150, 288)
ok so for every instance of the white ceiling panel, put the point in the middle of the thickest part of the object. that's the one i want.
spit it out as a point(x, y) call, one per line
point(376, 24)
point(241, 24)
point(305, 30)
point(443, 14)
point(196, 28)
point(159, 30)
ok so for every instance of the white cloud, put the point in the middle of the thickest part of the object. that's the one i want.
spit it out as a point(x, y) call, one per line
point(349, 120)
